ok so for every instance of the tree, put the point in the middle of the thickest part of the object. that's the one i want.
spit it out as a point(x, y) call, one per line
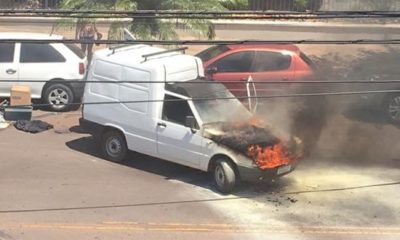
point(151, 28)
point(235, 4)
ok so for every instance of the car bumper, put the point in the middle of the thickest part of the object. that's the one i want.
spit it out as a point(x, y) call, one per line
point(254, 174)
point(78, 88)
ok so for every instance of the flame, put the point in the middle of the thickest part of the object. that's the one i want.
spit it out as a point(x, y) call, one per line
point(270, 156)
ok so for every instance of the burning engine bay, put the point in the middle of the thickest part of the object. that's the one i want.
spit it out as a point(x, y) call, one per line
point(255, 142)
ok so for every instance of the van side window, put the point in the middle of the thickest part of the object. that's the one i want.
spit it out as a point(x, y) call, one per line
point(7, 52)
point(175, 110)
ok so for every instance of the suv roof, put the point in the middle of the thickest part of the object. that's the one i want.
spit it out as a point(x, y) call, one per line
point(287, 47)
point(28, 35)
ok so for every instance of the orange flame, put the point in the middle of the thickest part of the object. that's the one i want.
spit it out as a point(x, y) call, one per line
point(269, 157)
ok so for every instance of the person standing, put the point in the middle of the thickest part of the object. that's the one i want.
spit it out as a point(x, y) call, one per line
point(87, 32)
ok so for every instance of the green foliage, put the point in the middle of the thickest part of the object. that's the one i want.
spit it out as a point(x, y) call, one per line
point(235, 4)
point(300, 5)
point(149, 28)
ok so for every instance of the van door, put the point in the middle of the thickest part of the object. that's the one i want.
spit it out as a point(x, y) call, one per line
point(8, 68)
point(176, 142)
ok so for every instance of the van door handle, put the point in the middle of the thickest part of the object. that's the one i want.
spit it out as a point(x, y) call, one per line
point(11, 71)
point(285, 78)
point(161, 124)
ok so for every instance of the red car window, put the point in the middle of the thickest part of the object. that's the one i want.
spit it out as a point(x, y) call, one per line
point(236, 62)
point(271, 61)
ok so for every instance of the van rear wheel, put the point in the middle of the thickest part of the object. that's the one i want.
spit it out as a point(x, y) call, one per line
point(224, 176)
point(114, 146)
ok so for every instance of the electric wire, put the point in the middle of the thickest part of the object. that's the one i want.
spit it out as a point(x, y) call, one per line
point(300, 95)
point(210, 82)
point(202, 42)
point(70, 13)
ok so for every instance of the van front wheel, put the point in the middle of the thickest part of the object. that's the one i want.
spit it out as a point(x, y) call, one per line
point(114, 147)
point(224, 176)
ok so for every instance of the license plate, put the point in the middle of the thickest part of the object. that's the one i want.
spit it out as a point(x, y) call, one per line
point(284, 169)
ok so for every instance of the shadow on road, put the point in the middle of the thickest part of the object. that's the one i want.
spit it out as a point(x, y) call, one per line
point(171, 171)
point(366, 115)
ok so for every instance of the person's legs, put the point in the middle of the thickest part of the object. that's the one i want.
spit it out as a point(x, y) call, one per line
point(90, 51)
point(84, 47)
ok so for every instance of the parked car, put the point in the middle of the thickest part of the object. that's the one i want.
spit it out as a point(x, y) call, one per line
point(47, 67)
point(199, 134)
point(263, 62)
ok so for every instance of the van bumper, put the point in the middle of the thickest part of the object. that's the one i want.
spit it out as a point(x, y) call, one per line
point(254, 174)
point(92, 128)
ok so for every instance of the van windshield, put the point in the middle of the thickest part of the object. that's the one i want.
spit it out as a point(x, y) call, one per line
point(213, 101)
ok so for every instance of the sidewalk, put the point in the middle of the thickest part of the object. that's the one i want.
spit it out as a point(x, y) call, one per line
point(280, 25)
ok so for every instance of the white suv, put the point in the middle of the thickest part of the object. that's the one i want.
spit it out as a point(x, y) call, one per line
point(54, 71)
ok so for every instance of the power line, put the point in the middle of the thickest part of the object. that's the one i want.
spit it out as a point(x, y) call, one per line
point(212, 82)
point(321, 94)
point(197, 14)
point(204, 17)
point(202, 42)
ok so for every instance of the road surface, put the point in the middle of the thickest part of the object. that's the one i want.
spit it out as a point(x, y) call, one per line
point(55, 185)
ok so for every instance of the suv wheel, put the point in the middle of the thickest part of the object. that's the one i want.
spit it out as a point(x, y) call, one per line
point(114, 147)
point(224, 176)
point(392, 108)
point(59, 96)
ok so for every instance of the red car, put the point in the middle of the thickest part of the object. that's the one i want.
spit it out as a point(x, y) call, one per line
point(263, 62)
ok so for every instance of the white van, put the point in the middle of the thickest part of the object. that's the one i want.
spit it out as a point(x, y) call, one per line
point(154, 101)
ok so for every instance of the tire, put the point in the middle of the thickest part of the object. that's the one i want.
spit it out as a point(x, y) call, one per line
point(392, 108)
point(58, 94)
point(224, 176)
point(114, 146)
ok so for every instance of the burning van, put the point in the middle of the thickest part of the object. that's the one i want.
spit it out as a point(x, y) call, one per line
point(180, 117)
point(240, 146)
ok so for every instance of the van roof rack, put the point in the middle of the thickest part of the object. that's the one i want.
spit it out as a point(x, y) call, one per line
point(113, 48)
point(146, 56)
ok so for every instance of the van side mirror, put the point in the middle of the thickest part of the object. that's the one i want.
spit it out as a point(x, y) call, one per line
point(212, 70)
point(191, 123)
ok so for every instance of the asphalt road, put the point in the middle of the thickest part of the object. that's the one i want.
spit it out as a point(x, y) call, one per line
point(55, 185)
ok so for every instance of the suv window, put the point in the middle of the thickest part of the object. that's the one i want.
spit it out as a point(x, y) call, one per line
point(236, 62)
point(175, 110)
point(271, 61)
point(75, 49)
point(39, 53)
point(7, 52)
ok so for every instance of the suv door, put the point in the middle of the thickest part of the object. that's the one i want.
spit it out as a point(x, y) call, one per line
point(8, 68)
point(272, 66)
point(175, 141)
point(234, 67)
point(37, 62)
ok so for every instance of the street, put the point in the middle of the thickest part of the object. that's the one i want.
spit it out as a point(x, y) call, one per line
point(56, 185)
